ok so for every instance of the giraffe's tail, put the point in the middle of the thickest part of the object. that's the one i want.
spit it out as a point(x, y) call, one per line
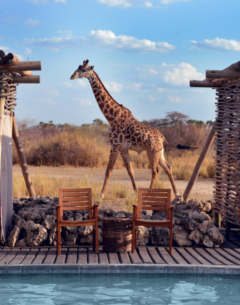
point(179, 146)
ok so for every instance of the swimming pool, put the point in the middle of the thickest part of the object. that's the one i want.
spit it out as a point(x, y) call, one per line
point(118, 289)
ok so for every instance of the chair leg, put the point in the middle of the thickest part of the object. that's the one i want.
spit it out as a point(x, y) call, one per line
point(170, 240)
point(58, 239)
point(96, 238)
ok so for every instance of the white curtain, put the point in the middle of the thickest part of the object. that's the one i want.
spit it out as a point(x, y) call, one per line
point(6, 196)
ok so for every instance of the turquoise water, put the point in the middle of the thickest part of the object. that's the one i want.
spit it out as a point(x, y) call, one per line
point(120, 289)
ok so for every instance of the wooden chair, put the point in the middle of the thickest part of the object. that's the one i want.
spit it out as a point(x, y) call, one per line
point(76, 199)
point(154, 200)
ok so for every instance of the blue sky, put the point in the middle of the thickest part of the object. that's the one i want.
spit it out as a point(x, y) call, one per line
point(145, 52)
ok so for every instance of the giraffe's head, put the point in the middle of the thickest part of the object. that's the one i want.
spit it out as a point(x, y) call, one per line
point(83, 71)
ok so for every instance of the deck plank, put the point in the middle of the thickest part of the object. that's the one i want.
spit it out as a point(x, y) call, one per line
point(61, 258)
point(82, 256)
point(30, 256)
point(71, 256)
point(166, 256)
point(228, 256)
point(191, 260)
point(233, 252)
point(177, 257)
point(20, 256)
point(196, 255)
point(92, 257)
point(9, 256)
point(4, 252)
point(218, 256)
point(155, 256)
point(208, 257)
point(51, 256)
point(134, 257)
point(113, 258)
point(142, 251)
point(102, 257)
point(40, 256)
point(124, 258)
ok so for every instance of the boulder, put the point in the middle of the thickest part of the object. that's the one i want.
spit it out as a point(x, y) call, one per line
point(89, 238)
point(53, 236)
point(159, 236)
point(142, 234)
point(21, 242)
point(49, 222)
point(214, 233)
point(119, 214)
point(21, 222)
point(101, 216)
point(15, 218)
point(204, 226)
point(85, 230)
point(33, 215)
point(107, 210)
point(158, 215)
point(196, 236)
point(207, 241)
point(180, 236)
point(71, 229)
point(13, 236)
point(36, 233)
point(86, 216)
point(70, 238)
point(78, 217)
point(199, 217)
point(189, 224)
point(207, 206)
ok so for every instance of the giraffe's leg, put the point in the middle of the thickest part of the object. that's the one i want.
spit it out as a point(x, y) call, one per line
point(112, 159)
point(153, 159)
point(168, 170)
point(126, 159)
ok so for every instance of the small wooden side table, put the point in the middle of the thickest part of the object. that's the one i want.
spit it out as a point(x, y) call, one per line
point(117, 234)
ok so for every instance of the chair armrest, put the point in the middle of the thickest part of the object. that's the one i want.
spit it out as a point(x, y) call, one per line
point(58, 212)
point(135, 211)
point(95, 206)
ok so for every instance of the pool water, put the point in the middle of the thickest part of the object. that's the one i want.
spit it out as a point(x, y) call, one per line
point(118, 289)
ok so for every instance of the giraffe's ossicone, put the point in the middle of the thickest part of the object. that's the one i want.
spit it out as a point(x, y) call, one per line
point(126, 133)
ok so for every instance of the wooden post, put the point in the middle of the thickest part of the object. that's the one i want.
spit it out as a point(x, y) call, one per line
point(22, 159)
point(199, 163)
point(34, 79)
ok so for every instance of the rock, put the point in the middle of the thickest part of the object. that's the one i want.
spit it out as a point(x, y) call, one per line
point(144, 212)
point(21, 222)
point(71, 229)
point(107, 210)
point(15, 218)
point(207, 206)
point(34, 216)
point(199, 217)
point(44, 200)
point(196, 236)
point(160, 215)
point(89, 238)
point(78, 217)
point(86, 216)
point(21, 242)
point(53, 236)
point(49, 222)
point(215, 235)
point(207, 241)
point(180, 236)
point(70, 238)
point(36, 233)
point(119, 214)
point(204, 225)
point(51, 211)
point(13, 236)
point(159, 236)
point(177, 199)
point(189, 224)
point(100, 224)
point(85, 230)
point(176, 221)
point(142, 234)
point(101, 216)
point(128, 215)
point(146, 217)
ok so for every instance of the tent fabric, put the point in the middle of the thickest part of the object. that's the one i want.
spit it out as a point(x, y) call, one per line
point(6, 187)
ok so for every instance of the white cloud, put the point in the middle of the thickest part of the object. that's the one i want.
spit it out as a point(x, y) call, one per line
point(171, 1)
point(147, 4)
point(38, 1)
point(136, 86)
point(20, 57)
point(83, 101)
point(113, 86)
point(53, 92)
point(182, 74)
point(32, 22)
point(152, 98)
point(61, 1)
point(160, 90)
point(105, 39)
point(111, 3)
point(28, 51)
point(176, 99)
point(76, 84)
point(218, 44)
point(129, 3)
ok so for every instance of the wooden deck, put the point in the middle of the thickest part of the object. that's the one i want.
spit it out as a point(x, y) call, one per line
point(227, 255)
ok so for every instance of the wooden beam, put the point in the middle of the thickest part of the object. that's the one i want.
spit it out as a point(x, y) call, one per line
point(199, 163)
point(35, 79)
point(205, 83)
point(222, 74)
point(22, 66)
point(22, 159)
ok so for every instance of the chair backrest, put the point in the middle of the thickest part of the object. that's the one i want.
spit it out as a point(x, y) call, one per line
point(154, 200)
point(75, 199)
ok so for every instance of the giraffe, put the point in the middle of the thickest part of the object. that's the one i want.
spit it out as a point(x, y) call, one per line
point(127, 133)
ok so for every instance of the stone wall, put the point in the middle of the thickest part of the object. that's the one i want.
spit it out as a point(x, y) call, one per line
point(34, 225)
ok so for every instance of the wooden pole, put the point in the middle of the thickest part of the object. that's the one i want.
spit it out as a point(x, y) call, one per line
point(207, 83)
point(21, 66)
point(199, 163)
point(22, 159)
point(222, 74)
point(35, 79)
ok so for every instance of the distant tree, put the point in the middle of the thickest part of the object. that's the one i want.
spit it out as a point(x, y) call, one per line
point(98, 122)
point(176, 117)
point(210, 123)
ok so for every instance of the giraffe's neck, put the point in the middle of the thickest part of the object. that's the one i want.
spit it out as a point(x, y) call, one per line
point(115, 113)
